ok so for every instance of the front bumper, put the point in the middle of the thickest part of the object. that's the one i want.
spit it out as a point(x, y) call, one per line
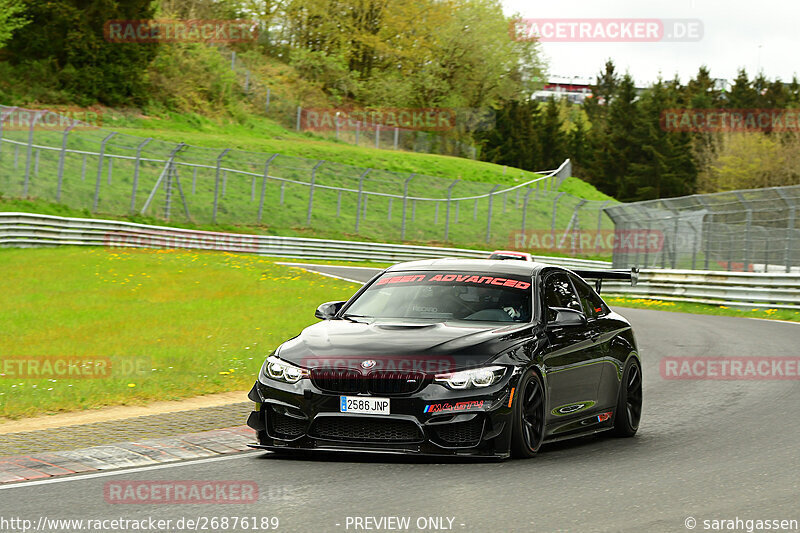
point(433, 421)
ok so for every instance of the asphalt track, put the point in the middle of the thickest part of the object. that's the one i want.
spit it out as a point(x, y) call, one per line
point(706, 450)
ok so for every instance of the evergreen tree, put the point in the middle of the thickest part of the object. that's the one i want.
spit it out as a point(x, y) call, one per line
point(552, 138)
point(742, 95)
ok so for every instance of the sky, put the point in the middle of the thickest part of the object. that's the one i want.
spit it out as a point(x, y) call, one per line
point(761, 35)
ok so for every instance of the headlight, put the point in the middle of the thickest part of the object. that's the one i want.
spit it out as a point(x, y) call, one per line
point(475, 378)
point(279, 370)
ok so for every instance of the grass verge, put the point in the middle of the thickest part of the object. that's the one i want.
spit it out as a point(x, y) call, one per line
point(172, 324)
point(704, 309)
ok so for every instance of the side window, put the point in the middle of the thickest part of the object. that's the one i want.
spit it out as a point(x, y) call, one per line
point(558, 292)
point(593, 305)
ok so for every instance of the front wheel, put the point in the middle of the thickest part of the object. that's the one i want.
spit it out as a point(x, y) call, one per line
point(529, 407)
point(629, 403)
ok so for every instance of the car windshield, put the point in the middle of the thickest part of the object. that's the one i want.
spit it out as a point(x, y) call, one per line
point(451, 295)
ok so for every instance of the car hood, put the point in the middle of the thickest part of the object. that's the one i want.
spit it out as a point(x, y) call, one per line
point(398, 344)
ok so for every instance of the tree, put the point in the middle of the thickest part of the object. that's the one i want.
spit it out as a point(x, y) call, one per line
point(743, 95)
point(69, 35)
point(12, 18)
point(663, 166)
point(552, 138)
point(513, 141)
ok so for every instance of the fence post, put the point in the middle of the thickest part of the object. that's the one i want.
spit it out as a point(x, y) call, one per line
point(336, 121)
point(311, 192)
point(358, 127)
point(405, 203)
point(747, 231)
point(233, 60)
point(168, 169)
point(216, 185)
point(266, 105)
point(489, 216)
point(447, 216)
point(30, 154)
point(575, 223)
point(553, 223)
point(100, 170)
point(675, 231)
point(396, 136)
point(61, 157)
point(599, 226)
point(360, 189)
point(787, 252)
point(136, 173)
point(264, 186)
point(168, 187)
point(299, 112)
point(377, 135)
point(695, 244)
point(172, 171)
point(525, 209)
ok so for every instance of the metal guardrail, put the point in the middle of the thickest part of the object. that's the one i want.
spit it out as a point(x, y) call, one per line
point(736, 289)
point(33, 230)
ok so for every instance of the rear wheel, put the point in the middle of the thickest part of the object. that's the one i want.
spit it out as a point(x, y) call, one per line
point(629, 404)
point(529, 406)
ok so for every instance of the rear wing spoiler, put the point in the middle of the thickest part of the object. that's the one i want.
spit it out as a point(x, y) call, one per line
point(600, 275)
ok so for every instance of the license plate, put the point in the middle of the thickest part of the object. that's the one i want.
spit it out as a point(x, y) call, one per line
point(364, 405)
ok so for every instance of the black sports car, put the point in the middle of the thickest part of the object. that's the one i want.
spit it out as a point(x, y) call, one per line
point(454, 357)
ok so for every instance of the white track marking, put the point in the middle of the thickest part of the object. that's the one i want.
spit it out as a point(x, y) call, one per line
point(376, 269)
point(65, 479)
point(302, 266)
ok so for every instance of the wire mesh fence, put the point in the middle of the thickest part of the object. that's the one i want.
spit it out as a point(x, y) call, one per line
point(739, 231)
point(293, 115)
point(102, 171)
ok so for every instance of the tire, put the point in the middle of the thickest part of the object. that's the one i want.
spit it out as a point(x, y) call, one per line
point(527, 432)
point(629, 405)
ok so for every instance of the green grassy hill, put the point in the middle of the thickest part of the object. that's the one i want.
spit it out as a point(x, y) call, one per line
point(252, 141)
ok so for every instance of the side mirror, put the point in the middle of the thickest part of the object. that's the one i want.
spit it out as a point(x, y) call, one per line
point(566, 317)
point(328, 310)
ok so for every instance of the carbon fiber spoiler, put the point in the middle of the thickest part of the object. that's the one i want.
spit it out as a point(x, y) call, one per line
point(600, 275)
